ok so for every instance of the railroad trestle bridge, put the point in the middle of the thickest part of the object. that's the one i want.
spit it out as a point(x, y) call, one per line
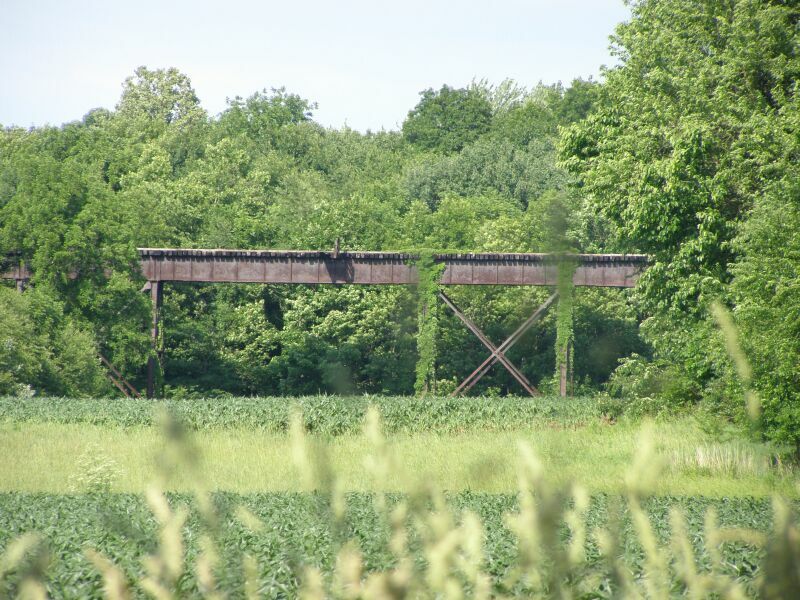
point(312, 267)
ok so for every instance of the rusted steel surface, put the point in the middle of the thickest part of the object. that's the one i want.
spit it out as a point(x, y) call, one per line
point(381, 268)
point(122, 384)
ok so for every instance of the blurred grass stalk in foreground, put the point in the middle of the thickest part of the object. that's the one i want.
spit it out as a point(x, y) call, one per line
point(740, 362)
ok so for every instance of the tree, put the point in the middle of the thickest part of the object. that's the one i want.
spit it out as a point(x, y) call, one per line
point(261, 115)
point(675, 159)
point(488, 166)
point(767, 296)
point(162, 95)
point(448, 119)
point(158, 171)
point(698, 125)
point(502, 97)
point(42, 351)
point(578, 101)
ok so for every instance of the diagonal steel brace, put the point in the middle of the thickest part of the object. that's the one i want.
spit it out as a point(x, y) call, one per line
point(498, 353)
point(486, 342)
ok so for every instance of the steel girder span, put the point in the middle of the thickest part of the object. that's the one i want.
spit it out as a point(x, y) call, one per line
point(160, 265)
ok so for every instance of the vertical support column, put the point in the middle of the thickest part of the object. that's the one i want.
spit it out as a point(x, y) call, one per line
point(571, 370)
point(154, 361)
point(422, 384)
point(21, 276)
point(564, 321)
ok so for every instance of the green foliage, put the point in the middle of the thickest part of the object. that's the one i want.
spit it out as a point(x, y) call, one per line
point(158, 171)
point(293, 531)
point(692, 143)
point(352, 339)
point(42, 352)
point(21, 361)
point(490, 166)
point(564, 311)
point(559, 542)
point(158, 96)
point(448, 119)
point(542, 541)
point(578, 101)
point(768, 306)
point(76, 363)
point(656, 385)
point(605, 330)
point(674, 160)
point(250, 343)
point(95, 473)
point(263, 115)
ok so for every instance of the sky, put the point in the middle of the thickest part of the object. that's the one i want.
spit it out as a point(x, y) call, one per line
point(363, 62)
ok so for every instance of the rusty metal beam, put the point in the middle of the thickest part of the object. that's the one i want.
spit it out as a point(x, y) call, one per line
point(118, 380)
point(523, 381)
point(369, 268)
point(382, 268)
point(484, 367)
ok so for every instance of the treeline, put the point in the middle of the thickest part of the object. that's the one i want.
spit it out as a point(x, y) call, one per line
point(686, 151)
point(473, 169)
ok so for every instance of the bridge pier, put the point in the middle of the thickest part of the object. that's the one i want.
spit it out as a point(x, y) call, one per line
point(154, 361)
point(564, 370)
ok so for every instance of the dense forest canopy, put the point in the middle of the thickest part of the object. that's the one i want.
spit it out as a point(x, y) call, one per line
point(686, 150)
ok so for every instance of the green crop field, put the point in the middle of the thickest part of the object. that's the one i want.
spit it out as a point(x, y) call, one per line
point(298, 532)
point(76, 472)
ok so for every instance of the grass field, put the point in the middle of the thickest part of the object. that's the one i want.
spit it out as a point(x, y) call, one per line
point(49, 457)
point(74, 471)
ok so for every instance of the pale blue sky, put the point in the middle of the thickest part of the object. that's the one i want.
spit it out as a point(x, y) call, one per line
point(363, 62)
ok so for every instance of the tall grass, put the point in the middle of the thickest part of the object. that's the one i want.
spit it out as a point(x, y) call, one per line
point(58, 458)
point(736, 458)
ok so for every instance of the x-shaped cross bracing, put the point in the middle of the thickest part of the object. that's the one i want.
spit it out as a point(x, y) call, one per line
point(497, 352)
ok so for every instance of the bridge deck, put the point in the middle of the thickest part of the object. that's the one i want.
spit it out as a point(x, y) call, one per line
point(382, 268)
